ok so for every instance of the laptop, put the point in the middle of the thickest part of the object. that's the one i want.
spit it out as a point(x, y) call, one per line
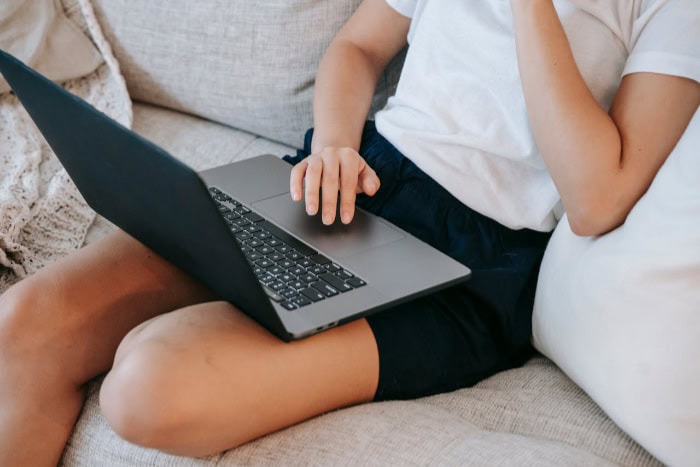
point(234, 228)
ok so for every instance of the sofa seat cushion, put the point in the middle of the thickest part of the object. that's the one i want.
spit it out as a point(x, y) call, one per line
point(527, 416)
point(41, 35)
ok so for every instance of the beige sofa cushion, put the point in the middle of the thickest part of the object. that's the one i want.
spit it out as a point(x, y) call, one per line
point(233, 62)
point(526, 416)
point(39, 33)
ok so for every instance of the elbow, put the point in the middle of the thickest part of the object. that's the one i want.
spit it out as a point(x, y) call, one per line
point(596, 217)
point(586, 227)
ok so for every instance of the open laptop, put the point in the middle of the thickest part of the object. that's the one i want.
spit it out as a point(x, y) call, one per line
point(234, 227)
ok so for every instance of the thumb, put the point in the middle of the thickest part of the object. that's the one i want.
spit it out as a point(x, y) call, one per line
point(367, 181)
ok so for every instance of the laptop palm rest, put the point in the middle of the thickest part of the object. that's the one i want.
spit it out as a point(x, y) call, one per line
point(338, 240)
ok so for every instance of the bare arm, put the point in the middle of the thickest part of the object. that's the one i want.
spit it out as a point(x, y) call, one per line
point(345, 84)
point(601, 162)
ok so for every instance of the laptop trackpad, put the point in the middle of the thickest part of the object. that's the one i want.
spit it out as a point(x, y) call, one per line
point(363, 233)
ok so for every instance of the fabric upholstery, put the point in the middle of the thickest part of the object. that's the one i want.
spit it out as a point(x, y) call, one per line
point(232, 62)
point(529, 416)
point(42, 215)
point(39, 33)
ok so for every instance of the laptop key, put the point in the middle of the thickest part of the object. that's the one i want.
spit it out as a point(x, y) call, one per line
point(288, 305)
point(267, 279)
point(320, 259)
point(273, 241)
point(345, 275)
point(280, 260)
point(288, 293)
point(305, 262)
point(265, 250)
point(336, 282)
point(254, 243)
point(312, 294)
point(356, 282)
point(301, 300)
point(253, 217)
point(308, 278)
point(296, 271)
point(325, 288)
point(264, 263)
point(278, 271)
point(318, 269)
point(277, 285)
point(294, 255)
point(253, 255)
point(285, 277)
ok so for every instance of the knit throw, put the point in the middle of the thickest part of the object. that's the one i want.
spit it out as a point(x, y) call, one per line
point(42, 215)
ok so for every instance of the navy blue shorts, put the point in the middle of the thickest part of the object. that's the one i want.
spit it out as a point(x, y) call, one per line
point(458, 336)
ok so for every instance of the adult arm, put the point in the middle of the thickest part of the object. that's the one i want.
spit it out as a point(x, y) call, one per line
point(345, 84)
point(601, 162)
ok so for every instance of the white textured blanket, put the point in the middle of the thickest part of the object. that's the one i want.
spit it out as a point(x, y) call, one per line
point(42, 215)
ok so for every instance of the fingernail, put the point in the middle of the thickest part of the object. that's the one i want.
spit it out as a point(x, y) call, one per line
point(311, 209)
point(296, 196)
point(327, 219)
point(346, 218)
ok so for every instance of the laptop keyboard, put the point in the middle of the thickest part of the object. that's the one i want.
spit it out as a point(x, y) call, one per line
point(292, 273)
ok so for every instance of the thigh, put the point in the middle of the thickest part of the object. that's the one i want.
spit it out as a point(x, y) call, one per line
point(207, 378)
point(78, 309)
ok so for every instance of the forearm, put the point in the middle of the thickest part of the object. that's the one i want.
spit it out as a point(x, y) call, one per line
point(343, 94)
point(579, 141)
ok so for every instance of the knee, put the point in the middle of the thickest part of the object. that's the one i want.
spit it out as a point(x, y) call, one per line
point(133, 398)
point(142, 399)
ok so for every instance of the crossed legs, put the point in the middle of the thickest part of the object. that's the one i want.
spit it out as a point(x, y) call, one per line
point(187, 374)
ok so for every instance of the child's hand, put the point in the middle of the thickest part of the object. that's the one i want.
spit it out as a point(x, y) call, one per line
point(327, 172)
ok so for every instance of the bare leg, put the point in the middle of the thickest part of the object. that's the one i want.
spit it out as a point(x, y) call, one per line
point(207, 378)
point(61, 327)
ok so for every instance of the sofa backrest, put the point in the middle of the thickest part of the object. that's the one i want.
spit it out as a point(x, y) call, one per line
point(247, 64)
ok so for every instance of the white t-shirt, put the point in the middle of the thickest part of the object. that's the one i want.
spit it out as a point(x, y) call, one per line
point(459, 112)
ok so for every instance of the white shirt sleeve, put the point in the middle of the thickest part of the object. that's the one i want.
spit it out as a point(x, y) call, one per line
point(404, 7)
point(666, 39)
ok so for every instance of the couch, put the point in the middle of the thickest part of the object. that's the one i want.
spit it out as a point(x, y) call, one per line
point(214, 82)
